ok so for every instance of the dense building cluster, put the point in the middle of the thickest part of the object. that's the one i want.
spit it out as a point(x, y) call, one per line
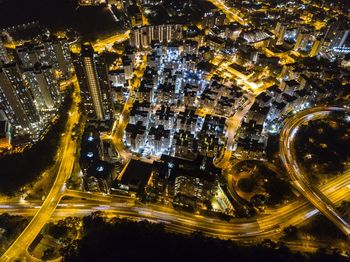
point(29, 82)
point(197, 84)
point(165, 118)
point(227, 117)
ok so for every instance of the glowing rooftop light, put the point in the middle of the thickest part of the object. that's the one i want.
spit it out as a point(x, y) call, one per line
point(90, 139)
point(90, 154)
point(99, 168)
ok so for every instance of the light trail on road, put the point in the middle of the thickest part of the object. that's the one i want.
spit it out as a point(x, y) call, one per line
point(39, 220)
point(260, 227)
point(298, 178)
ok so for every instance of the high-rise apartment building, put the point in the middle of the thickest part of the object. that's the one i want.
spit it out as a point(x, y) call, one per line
point(62, 52)
point(143, 36)
point(30, 54)
point(93, 79)
point(43, 86)
point(280, 31)
point(15, 98)
point(58, 54)
point(52, 51)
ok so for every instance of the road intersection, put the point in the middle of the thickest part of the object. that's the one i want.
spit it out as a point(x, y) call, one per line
point(266, 225)
point(297, 177)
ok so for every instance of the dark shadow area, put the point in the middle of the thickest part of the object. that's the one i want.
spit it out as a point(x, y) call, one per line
point(123, 240)
point(20, 169)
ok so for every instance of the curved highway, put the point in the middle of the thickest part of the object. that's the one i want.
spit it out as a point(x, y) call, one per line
point(268, 225)
point(239, 229)
point(263, 226)
point(298, 178)
point(42, 215)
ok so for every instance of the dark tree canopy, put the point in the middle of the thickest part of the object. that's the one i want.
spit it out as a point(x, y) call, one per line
point(124, 240)
point(20, 169)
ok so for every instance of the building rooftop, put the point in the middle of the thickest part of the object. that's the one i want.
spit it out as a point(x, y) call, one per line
point(136, 175)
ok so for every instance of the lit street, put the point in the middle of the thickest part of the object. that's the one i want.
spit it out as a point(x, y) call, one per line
point(204, 130)
point(53, 198)
point(297, 177)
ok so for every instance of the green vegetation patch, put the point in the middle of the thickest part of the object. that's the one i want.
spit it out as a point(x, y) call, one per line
point(323, 147)
point(17, 170)
point(124, 240)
